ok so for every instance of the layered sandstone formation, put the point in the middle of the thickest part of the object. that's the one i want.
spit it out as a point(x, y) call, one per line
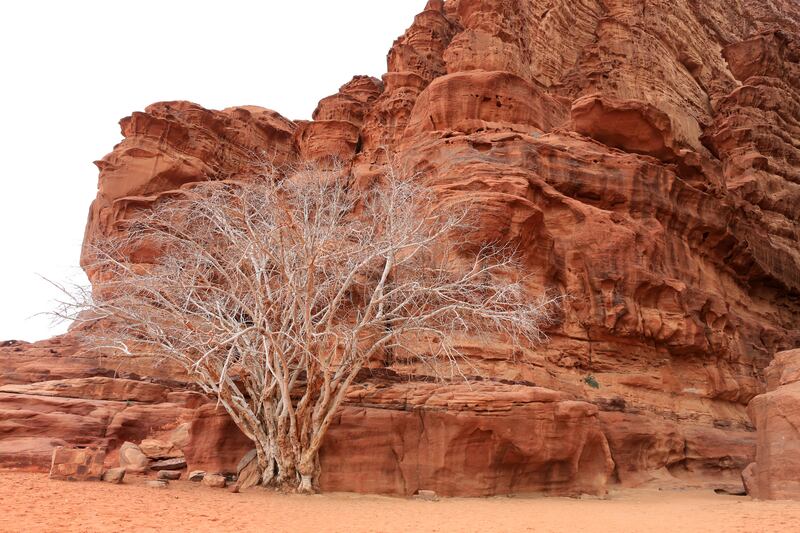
point(644, 156)
point(393, 437)
point(776, 473)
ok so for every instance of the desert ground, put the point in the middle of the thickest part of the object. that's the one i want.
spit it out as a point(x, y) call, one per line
point(33, 503)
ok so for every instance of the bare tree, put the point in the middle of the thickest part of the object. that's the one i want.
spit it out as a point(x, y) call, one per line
point(274, 293)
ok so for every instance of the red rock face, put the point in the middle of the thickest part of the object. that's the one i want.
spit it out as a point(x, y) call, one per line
point(643, 155)
point(77, 464)
point(776, 473)
point(464, 440)
point(52, 395)
point(334, 132)
point(172, 144)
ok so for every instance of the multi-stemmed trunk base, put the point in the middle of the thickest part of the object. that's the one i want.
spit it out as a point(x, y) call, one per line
point(285, 473)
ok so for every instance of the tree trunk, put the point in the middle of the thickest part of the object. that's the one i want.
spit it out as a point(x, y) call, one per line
point(265, 463)
point(309, 471)
point(284, 460)
point(306, 485)
point(284, 468)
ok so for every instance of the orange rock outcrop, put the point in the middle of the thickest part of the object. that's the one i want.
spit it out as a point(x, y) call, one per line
point(643, 154)
point(775, 475)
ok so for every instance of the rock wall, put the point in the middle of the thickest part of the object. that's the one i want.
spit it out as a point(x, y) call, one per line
point(393, 437)
point(644, 155)
point(776, 414)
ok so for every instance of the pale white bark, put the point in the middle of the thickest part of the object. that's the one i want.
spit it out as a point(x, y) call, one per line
point(275, 292)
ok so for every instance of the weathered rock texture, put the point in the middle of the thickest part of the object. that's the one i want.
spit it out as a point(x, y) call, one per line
point(77, 464)
point(776, 414)
point(644, 155)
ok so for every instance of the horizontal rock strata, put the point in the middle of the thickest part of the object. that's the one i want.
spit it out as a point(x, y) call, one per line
point(643, 155)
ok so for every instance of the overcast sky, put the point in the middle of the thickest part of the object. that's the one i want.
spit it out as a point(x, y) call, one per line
point(70, 70)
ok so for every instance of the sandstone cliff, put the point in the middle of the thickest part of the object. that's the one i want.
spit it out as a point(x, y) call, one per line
point(644, 154)
point(776, 414)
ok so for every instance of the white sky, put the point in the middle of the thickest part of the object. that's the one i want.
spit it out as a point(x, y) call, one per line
point(70, 70)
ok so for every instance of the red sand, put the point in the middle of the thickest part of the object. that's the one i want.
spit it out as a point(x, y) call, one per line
point(32, 503)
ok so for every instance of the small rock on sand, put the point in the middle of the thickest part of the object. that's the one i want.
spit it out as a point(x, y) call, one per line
point(157, 484)
point(171, 475)
point(427, 495)
point(77, 464)
point(132, 459)
point(114, 475)
point(196, 475)
point(214, 480)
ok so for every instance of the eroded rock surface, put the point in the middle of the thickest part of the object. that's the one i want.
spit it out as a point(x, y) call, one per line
point(776, 415)
point(643, 155)
point(77, 464)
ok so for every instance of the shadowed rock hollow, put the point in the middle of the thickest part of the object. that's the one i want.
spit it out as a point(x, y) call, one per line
point(645, 156)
